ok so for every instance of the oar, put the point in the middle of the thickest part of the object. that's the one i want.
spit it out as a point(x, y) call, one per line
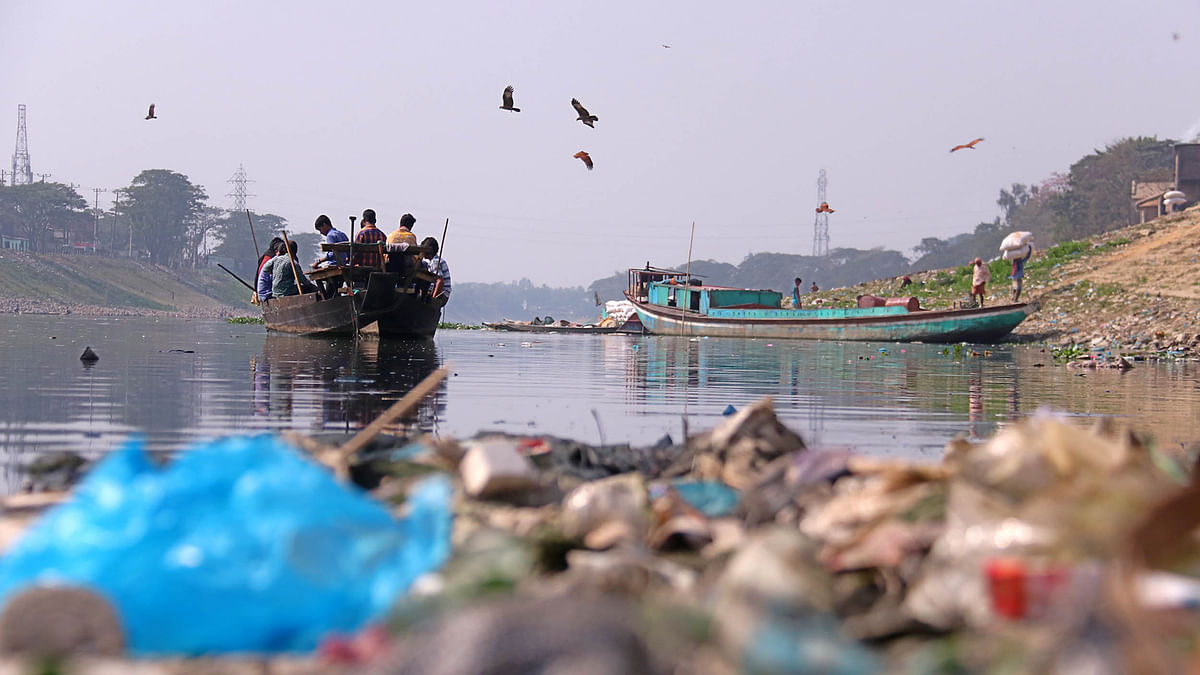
point(437, 267)
point(292, 259)
point(253, 289)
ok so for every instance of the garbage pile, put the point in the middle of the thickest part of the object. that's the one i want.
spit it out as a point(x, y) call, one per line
point(1048, 548)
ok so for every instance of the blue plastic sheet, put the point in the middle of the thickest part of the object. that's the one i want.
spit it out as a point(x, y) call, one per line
point(241, 545)
point(712, 498)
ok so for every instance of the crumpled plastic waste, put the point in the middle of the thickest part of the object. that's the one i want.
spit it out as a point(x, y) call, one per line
point(240, 545)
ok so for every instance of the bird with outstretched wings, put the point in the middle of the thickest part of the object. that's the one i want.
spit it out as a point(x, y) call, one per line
point(584, 116)
point(970, 145)
point(824, 208)
point(587, 159)
point(150, 115)
point(507, 100)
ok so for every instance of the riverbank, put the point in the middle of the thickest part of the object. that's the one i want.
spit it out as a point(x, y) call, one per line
point(739, 550)
point(1133, 291)
point(97, 286)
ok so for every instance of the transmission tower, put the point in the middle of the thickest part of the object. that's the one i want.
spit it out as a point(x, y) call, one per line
point(22, 174)
point(239, 193)
point(821, 225)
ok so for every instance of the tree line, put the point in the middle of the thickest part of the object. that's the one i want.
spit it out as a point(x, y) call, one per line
point(1091, 198)
point(161, 216)
point(165, 218)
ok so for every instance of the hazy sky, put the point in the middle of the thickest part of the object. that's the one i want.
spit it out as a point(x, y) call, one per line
point(336, 107)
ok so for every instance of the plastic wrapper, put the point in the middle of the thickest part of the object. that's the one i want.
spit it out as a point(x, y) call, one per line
point(241, 545)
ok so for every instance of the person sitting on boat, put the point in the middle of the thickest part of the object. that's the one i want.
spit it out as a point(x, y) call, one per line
point(369, 234)
point(434, 264)
point(796, 293)
point(398, 264)
point(284, 272)
point(332, 236)
point(264, 269)
point(979, 280)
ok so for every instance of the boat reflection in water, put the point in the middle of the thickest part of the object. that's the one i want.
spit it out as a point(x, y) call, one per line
point(341, 384)
point(836, 390)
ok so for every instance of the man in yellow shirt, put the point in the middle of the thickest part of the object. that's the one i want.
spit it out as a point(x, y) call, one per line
point(402, 235)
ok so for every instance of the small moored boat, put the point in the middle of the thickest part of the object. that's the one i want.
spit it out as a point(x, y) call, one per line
point(672, 303)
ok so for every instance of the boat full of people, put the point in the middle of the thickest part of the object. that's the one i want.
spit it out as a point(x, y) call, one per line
point(365, 286)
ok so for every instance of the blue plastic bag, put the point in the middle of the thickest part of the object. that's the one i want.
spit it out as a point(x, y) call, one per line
point(240, 545)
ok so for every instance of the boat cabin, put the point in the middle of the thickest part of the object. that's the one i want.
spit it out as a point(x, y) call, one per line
point(670, 288)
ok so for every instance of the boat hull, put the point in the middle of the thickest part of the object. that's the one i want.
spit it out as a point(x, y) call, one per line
point(986, 324)
point(390, 313)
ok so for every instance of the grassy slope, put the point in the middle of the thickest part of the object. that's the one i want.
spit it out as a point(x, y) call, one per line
point(1139, 285)
point(90, 280)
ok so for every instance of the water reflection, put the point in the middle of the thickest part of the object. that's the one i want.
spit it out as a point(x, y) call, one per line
point(340, 384)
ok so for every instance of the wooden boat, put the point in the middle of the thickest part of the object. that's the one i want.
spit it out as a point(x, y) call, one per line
point(632, 326)
point(670, 303)
point(372, 301)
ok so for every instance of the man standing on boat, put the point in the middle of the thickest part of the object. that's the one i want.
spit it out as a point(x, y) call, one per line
point(369, 234)
point(332, 236)
point(979, 280)
point(796, 293)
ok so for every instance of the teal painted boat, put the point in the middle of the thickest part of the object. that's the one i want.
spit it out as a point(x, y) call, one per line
point(672, 303)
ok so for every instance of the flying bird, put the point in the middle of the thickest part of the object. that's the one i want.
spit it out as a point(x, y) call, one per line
point(970, 145)
point(824, 208)
point(507, 100)
point(666, 46)
point(584, 116)
point(587, 159)
point(150, 115)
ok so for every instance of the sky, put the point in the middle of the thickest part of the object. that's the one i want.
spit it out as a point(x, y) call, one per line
point(717, 113)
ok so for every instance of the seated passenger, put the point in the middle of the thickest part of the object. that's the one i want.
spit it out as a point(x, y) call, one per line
point(398, 264)
point(283, 275)
point(332, 236)
point(435, 264)
point(264, 269)
point(369, 234)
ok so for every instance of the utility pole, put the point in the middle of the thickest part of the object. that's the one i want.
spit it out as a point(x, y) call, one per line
point(117, 208)
point(43, 176)
point(96, 223)
point(4, 176)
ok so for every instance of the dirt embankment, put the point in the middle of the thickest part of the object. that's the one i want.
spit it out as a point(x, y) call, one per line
point(1133, 290)
point(1140, 293)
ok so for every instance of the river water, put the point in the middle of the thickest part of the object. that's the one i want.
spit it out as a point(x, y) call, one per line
point(174, 382)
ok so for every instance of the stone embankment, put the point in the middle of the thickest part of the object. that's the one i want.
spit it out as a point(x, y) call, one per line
point(10, 305)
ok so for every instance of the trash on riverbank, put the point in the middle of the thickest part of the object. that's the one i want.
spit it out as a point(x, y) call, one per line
point(241, 545)
point(743, 550)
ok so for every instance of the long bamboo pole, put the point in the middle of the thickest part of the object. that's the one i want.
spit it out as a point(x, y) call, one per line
point(253, 237)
